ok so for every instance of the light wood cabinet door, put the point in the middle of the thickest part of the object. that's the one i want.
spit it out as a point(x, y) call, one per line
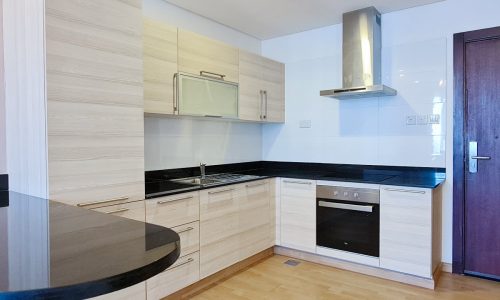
point(160, 65)
point(274, 90)
point(132, 210)
point(135, 292)
point(95, 113)
point(198, 53)
point(219, 228)
point(406, 230)
point(255, 225)
point(298, 214)
point(251, 86)
point(190, 237)
point(175, 210)
point(184, 272)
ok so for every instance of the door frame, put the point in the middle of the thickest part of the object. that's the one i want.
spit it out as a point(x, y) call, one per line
point(459, 122)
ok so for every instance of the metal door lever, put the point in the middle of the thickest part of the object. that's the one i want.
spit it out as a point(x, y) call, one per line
point(473, 157)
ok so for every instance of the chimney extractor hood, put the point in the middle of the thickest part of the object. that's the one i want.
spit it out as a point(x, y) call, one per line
point(361, 57)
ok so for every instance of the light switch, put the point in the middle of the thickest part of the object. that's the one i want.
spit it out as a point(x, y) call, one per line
point(422, 119)
point(305, 124)
point(411, 120)
point(434, 119)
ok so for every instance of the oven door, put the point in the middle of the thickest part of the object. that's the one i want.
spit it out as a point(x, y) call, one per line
point(348, 226)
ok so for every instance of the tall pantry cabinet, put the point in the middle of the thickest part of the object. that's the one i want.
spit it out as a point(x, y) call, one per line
point(74, 87)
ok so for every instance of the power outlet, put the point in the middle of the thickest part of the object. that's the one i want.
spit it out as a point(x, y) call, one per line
point(411, 120)
point(434, 119)
point(305, 124)
point(422, 120)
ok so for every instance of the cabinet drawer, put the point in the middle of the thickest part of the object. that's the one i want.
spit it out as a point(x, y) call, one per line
point(132, 210)
point(174, 210)
point(298, 188)
point(190, 237)
point(183, 273)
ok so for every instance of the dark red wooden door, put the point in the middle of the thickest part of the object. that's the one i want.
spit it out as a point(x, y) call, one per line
point(482, 189)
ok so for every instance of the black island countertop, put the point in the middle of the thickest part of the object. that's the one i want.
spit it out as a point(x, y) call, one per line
point(49, 250)
point(162, 182)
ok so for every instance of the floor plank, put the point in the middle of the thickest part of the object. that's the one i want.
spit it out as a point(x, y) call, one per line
point(272, 279)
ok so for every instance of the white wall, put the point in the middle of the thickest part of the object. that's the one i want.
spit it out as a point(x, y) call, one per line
point(417, 43)
point(3, 155)
point(178, 143)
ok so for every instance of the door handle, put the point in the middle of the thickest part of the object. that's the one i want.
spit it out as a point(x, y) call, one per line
point(363, 208)
point(473, 157)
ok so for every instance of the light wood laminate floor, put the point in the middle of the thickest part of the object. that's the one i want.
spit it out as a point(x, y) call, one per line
point(272, 279)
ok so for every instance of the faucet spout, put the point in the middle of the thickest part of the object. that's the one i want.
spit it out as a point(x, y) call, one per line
point(202, 170)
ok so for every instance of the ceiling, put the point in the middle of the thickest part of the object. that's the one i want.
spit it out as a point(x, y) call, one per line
point(265, 19)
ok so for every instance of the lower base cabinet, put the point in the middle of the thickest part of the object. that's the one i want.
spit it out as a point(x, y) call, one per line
point(183, 273)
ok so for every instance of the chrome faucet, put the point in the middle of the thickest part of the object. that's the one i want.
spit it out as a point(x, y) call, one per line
point(202, 170)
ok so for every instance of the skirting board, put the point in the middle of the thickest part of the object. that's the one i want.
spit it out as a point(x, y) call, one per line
point(354, 267)
point(446, 267)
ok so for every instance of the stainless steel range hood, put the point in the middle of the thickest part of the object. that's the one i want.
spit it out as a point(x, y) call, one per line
point(361, 57)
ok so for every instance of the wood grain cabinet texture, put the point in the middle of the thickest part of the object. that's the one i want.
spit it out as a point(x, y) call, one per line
point(410, 230)
point(298, 214)
point(95, 118)
point(198, 53)
point(261, 88)
point(160, 65)
point(131, 210)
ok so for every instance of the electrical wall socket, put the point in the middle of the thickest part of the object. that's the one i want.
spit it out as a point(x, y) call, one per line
point(434, 119)
point(411, 120)
point(305, 124)
point(422, 120)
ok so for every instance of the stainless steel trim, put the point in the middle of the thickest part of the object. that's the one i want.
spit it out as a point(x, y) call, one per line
point(220, 191)
point(256, 184)
point(353, 194)
point(190, 260)
point(176, 99)
point(298, 182)
point(102, 201)
point(207, 74)
point(474, 157)
point(404, 191)
point(185, 230)
point(117, 211)
point(261, 104)
point(265, 107)
point(481, 157)
point(174, 200)
point(364, 208)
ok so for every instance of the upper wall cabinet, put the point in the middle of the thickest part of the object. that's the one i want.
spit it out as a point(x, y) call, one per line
point(200, 55)
point(261, 89)
point(160, 65)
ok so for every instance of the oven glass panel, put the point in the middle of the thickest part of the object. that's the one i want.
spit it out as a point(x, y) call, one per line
point(348, 230)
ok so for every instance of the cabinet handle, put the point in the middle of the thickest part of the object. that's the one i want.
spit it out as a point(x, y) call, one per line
point(220, 191)
point(212, 74)
point(297, 182)
point(102, 201)
point(265, 107)
point(175, 92)
point(190, 260)
point(256, 184)
point(117, 211)
point(261, 104)
point(405, 191)
point(213, 116)
point(174, 200)
point(185, 230)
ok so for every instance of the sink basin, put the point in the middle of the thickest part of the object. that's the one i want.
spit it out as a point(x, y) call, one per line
point(198, 181)
point(215, 179)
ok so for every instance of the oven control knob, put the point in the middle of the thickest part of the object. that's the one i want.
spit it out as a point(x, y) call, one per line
point(335, 193)
point(356, 195)
point(346, 194)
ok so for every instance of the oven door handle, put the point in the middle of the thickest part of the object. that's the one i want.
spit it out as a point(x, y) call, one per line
point(364, 208)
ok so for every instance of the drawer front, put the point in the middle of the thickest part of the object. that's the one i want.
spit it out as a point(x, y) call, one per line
point(190, 237)
point(174, 210)
point(183, 273)
point(298, 187)
point(132, 210)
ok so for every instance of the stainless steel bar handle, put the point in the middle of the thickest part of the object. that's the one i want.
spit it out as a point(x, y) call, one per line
point(182, 263)
point(265, 107)
point(117, 211)
point(220, 191)
point(473, 157)
point(185, 230)
point(213, 116)
point(297, 182)
point(212, 75)
point(176, 99)
point(102, 201)
point(363, 208)
point(256, 184)
point(261, 104)
point(174, 200)
point(404, 191)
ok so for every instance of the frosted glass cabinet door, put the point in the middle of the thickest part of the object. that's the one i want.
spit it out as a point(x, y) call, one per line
point(200, 96)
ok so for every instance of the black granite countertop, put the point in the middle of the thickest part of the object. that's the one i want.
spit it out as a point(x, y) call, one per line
point(49, 250)
point(159, 183)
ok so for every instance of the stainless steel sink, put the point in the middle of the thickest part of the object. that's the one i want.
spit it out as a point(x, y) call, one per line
point(216, 179)
point(198, 181)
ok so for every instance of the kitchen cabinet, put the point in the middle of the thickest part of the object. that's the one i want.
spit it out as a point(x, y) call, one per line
point(261, 88)
point(175, 210)
point(94, 100)
point(410, 230)
point(160, 65)
point(131, 210)
point(298, 214)
point(199, 55)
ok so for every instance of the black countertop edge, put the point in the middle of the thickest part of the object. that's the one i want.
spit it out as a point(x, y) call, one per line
point(419, 177)
point(4, 182)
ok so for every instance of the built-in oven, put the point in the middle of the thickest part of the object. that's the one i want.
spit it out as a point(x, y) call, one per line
point(348, 219)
